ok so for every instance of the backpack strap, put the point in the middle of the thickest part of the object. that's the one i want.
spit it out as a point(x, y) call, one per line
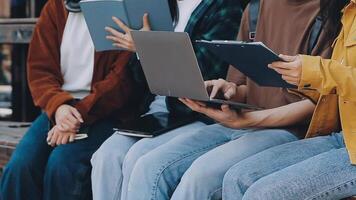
point(254, 11)
point(315, 33)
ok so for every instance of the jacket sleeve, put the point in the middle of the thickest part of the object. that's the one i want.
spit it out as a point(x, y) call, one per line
point(43, 66)
point(328, 76)
point(110, 94)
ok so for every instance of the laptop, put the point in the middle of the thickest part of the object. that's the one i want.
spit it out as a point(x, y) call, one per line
point(171, 67)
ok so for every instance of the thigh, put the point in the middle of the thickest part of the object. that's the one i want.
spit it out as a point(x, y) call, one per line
point(33, 148)
point(325, 176)
point(245, 173)
point(158, 172)
point(217, 161)
point(148, 144)
point(246, 144)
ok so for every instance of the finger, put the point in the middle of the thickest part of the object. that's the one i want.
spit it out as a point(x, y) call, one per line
point(215, 90)
point(115, 33)
point(230, 93)
point(72, 120)
point(117, 39)
point(77, 115)
point(208, 84)
point(65, 139)
point(59, 139)
point(291, 80)
point(288, 58)
point(49, 136)
point(122, 45)
point(121, 25)
point(146, 23)
point(54, 139)
point(283, 71)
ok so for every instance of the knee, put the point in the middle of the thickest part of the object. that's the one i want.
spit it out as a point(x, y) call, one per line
point(106, 155)
point(133, 155)
point(196, 175)
point(58, 166)
point(19, 167)
point(237, 178)
point(264, 190)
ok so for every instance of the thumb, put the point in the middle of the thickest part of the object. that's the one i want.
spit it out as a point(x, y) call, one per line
point(288, 58)
point(146, 23)
point(225, 108)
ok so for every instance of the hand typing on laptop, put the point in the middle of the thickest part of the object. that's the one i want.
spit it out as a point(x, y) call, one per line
point(221, 89)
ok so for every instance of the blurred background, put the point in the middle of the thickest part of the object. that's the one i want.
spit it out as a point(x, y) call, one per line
point(17, 20)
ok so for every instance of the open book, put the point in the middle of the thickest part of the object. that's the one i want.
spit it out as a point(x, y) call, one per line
point(98, 14)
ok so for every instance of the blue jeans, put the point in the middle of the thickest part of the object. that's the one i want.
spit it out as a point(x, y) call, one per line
point(110, 173)
point(313, 169)
point(186, 168)
point(38, 171)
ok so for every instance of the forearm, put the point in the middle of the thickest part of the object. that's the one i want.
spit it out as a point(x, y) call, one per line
point(289, 115)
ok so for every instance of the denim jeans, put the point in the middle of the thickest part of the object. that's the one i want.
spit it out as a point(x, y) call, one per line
point(192, 165)
point(312, 169)
point(37, 171)
point(110, 173)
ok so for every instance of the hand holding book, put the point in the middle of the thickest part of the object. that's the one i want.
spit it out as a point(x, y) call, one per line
point(124, 40)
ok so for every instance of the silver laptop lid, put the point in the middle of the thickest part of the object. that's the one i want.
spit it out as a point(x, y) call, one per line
point(170, 65)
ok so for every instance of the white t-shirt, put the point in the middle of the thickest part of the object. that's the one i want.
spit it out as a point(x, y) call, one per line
point(77, 56)
point(186, 8)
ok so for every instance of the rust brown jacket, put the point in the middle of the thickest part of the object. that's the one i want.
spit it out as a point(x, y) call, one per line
point(111, 84)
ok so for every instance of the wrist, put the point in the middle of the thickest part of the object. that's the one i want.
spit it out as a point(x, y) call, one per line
point(250, 120)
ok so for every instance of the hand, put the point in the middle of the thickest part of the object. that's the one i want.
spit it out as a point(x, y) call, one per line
point(229, 89)
point(124, 40)
point(291, 69)
point(56, 137)
point(225, 116)
point(68, 119)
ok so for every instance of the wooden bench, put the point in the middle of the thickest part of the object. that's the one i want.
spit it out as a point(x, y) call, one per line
point(10, 135)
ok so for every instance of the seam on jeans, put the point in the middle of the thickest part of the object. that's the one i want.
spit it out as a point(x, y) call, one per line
point(331, 189)
point(170, 163)
point(210, 196)
point(116, 195)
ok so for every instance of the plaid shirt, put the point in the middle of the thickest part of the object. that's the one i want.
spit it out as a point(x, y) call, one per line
point(211, 20)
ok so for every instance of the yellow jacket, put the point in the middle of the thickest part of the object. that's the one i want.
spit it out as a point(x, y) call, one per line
point(335, 79)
